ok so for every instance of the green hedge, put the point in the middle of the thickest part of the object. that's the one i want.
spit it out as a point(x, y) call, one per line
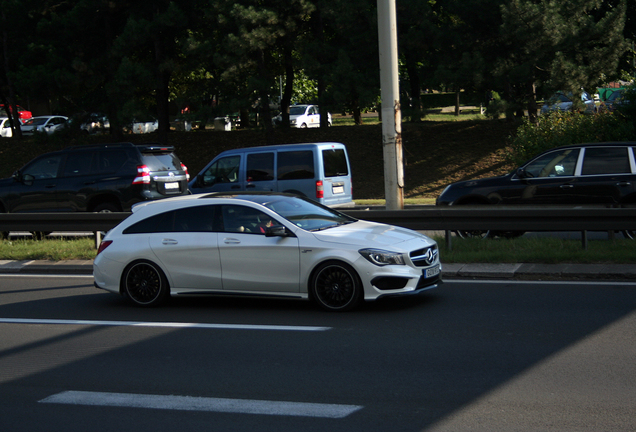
point(564, 128)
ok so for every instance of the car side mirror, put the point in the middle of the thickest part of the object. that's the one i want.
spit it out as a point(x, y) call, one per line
point(522, 173)
point(27, 179)
point(277, 231)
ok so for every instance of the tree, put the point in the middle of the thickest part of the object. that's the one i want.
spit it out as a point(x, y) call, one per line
point(557, 45)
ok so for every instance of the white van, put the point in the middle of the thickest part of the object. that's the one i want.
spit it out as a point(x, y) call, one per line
point(319, 171)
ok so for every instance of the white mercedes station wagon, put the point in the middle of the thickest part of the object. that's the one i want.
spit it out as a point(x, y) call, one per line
point(261, 244)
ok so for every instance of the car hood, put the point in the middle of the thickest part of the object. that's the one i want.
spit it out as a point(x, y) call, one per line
point(371, 234)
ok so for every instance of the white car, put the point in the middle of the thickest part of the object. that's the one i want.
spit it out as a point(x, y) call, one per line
point(46, 124)
point(303, 116)
point(261, 244)
point(142, 127)
point(5, 128)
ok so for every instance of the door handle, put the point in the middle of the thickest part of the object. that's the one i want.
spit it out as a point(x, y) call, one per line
point(623, 183)
point(231, 241)
point(250, 186)
point(50, 186)
point(566, 186)
point(236, 187)
point(169, 242)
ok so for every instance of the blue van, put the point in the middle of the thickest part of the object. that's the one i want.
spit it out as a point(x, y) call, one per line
point(319, 171)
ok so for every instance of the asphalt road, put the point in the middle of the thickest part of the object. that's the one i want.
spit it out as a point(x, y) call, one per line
point(486, 356)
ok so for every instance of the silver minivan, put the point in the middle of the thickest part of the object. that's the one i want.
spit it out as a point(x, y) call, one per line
point(319, 171)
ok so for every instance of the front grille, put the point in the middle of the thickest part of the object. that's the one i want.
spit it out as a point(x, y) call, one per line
point(424, 257)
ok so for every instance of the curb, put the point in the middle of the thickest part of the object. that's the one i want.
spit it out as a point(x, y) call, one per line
point(450, 271)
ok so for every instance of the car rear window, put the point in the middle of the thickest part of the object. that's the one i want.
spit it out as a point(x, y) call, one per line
point(161, 161)
point(335, 162)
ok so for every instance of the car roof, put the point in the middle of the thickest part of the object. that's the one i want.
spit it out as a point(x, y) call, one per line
point(225, 197)
point(298, 146)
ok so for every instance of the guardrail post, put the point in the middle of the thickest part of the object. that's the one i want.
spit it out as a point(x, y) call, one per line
point(98, 239)
point(447, 235)
point(584, 238)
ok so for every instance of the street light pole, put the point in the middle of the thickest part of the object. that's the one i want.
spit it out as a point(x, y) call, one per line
point(391, 112)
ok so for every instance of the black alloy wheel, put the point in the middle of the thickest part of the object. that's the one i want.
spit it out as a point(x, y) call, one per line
point(145, 284)
point(335, 286)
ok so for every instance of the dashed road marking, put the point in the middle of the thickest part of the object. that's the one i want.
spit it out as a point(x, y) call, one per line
point(163, 324)
point(187, 403)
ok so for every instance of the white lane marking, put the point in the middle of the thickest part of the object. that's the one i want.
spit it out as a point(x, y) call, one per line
point(163, 324)
point(449, 279)
point(187, 403)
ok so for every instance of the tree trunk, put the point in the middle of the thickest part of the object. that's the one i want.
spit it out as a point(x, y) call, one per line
point(289, 85)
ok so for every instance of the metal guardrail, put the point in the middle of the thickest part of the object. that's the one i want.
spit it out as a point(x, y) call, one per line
point(500, 218)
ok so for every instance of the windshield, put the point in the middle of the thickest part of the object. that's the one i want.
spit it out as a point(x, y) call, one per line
point(297, 110)
point(37, 121)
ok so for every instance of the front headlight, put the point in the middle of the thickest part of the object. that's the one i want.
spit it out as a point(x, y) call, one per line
point(381, 257)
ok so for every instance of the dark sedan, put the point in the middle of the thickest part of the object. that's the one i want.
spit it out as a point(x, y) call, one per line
point(583, 174)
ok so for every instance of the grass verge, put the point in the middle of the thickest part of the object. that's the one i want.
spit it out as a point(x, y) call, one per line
point(520, 250)
point(538, 250)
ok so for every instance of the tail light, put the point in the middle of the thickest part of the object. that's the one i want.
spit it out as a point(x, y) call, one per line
point(103, 245)
point(320, 191)
point(185, 168)
point(143, 175)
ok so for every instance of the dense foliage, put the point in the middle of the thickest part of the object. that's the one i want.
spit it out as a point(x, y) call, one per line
point(564, 128)
point(205, 58)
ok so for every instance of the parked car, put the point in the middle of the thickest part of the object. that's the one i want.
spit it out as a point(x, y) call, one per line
point(601, 174)
point(261, 244)
point(303, 116)
point(23, 114)
point(319, 171)
point(95, 124)
point(561, 101)
point(5, 128)
point(614, 101)
point(143, 126)
point(45, 124)
point(94, 178)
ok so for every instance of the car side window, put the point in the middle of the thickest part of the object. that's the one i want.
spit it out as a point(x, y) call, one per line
point(246, 220)
point(554, 164)
point(78, 164)
point(260, 167)
point(605, 160)
point(224, 170)
point(294, 165)
point(44, 168)
point(110, 161)
point(189, 219)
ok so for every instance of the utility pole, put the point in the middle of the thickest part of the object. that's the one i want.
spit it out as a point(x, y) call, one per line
point(391, 112)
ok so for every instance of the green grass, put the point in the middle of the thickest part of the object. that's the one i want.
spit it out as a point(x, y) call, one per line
point(520, 250)
point(55, 249)
point(538, 250)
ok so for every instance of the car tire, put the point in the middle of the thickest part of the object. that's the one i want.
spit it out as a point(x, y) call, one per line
point(303, 126)
point(629, 234)
point(144, 284)
point(106, 207)
point(335, 286)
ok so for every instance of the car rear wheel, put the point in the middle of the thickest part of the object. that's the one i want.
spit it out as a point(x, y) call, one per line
point(106, 207)
point(629, 234)
point(335, 286)
point(145, 284)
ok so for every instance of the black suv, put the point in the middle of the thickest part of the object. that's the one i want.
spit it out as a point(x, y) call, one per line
point(95, 178)
point(583, 174)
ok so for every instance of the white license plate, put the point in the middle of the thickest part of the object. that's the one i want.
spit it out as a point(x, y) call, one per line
point(338, 189)
point(433, 271)
point(171, 185)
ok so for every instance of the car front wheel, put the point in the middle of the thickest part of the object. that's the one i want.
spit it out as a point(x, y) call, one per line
point(145, 284)
point(335, 286)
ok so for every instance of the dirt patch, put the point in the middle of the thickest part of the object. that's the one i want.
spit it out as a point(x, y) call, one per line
point(435, 153)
